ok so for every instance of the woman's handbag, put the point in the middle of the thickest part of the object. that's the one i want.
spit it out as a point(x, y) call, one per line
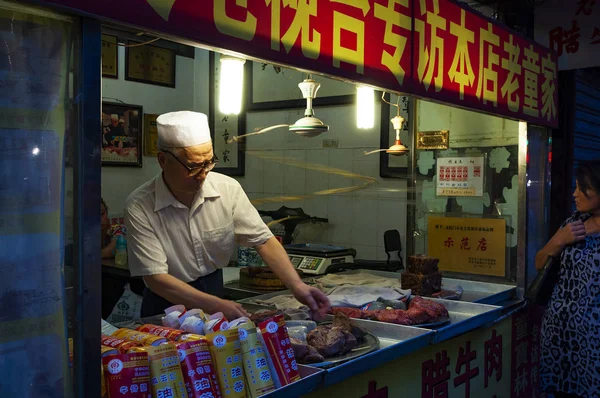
point(541, 289)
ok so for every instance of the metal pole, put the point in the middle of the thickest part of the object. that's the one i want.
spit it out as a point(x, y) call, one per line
point(88, 273)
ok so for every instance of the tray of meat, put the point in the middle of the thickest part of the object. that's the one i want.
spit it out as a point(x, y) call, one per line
point(334, 342)
point(420, 313)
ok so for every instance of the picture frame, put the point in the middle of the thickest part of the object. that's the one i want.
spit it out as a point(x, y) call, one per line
point(279, 90)
point(110, 56)
point(232, 156)
point(150, 135)
point(121, 134)
point(391, 166)
point(150, 64)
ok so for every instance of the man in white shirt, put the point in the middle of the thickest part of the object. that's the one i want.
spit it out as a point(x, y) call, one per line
point(183, 224)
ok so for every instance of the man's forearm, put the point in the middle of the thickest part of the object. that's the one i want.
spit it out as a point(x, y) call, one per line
point(178, 292)
point(275, 256)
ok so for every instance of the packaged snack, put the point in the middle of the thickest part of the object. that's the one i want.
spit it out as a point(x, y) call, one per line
point(105, 351)
point(191, 337)
point(215, 325)
point(256, 368)
point(236, 322)
point(226, 352)
point(279, 349)
point(138, 337)
point(161, 331)
point(171, 319)
point(193, 321)
point(127, 375)
point(199, 374)
point(166, 378)
point(123, 346)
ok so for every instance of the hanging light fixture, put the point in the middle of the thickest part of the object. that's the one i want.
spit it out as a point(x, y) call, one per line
point(398, 148)
point(365, 107)
point(231, 85)
point(309, 125)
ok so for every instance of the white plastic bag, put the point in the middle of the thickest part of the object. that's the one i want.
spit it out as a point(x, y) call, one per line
point(128, 308)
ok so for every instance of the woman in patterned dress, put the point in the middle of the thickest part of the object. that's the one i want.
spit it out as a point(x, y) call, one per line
point(570, 337)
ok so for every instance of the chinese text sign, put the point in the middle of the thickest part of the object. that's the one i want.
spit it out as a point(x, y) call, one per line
point(452, 55)
point(468, 245)
point(572, 29)
point(460, 176)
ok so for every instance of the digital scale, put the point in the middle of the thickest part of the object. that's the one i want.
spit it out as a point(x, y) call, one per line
point(315, 259)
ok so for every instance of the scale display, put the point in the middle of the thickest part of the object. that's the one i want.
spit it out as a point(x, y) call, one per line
point(316, 265)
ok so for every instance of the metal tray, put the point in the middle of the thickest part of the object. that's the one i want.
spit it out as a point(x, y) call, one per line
point(433, 324)
point(473, 291)
point(395, 341)
point(370, 344)
point(464, 317)
point(311, 378)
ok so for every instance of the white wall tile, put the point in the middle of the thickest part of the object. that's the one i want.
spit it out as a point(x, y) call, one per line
point(364, 222)
point(391, 214)
point(295, 172)
point(339, 212)
point(273, 173)
point(317, 180)
point(365, 252)
point(366, 169)
point(341, 160)
point(254, 175)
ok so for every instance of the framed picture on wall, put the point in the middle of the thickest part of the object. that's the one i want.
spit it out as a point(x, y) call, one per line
point(150, 64)
point(391, 166)
point(110, 57)
point(231, 155)
point(272, 87)
point(150, 135)
point(121, 135)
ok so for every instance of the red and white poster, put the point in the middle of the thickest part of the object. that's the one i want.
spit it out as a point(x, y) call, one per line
point(461, 176)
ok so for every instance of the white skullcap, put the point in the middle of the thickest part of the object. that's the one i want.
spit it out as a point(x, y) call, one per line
point(114, 116)
point(182, 129)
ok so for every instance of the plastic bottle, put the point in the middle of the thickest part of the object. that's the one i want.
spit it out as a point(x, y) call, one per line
point(121, 252)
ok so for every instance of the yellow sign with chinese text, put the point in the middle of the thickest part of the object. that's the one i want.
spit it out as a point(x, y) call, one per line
point(475, 364)
point(150, 135)
point(468, 245)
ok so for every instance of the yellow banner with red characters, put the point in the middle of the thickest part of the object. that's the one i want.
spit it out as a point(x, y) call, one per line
point(468, 245)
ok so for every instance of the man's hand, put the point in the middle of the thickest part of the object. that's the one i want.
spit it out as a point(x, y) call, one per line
point(230, 309)
point(315, 299)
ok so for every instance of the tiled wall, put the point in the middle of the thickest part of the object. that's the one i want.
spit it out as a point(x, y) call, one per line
point(356, 219)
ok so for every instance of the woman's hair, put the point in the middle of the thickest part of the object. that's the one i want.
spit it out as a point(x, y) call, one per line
point(588, 176)
point(104, 204)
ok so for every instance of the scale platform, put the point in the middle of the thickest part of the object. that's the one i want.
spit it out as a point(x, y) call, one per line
point(315, 259)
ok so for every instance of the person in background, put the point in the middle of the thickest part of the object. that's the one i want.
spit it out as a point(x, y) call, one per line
point(570, 335)
point(109, 233)
point(183, 224)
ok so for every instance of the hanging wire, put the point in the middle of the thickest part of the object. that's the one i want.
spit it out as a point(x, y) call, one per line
point(135, 44)
point(397, 104)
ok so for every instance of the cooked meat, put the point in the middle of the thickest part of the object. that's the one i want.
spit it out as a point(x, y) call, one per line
point(434, 309)
point(351, 342)
point(263, 315)
point(304, 353)
point(300, 350)
point(349, 312)
point(328, 340)
point(313, 355)
point(397, 317)
point(418, 316)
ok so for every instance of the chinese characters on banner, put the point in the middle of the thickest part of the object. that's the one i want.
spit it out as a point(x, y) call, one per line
point(468, 245)
point(453, 54)
point(571, 29)
point(460, 176)
point(465, 59)
point(526, 352)
point(472, 365)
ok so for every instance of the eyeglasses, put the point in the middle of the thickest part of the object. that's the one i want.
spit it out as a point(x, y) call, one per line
point(194, 171)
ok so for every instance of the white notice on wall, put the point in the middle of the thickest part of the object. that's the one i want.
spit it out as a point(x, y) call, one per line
point(460, 176)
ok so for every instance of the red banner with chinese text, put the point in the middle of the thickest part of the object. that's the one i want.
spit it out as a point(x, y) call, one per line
point(463, 58)
point(457, 56)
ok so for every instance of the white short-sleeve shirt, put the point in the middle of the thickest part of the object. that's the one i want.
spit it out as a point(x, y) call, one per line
point(166, 237)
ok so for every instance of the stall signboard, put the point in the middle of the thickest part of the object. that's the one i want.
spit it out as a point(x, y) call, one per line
point(468, 245)
point(475, 364)
point(460, 176)
point(446, 51)
point(571, 29)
